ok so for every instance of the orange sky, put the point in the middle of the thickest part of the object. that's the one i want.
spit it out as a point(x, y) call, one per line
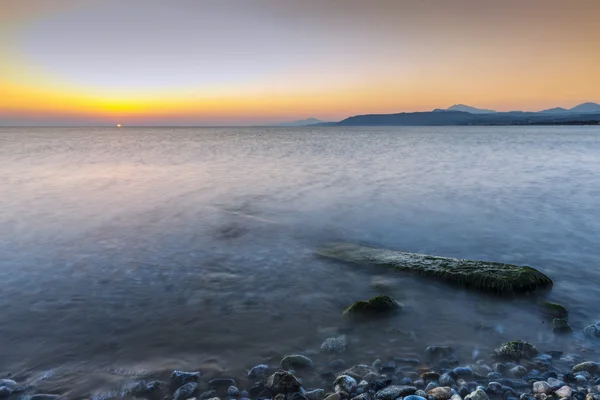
point(264, 61)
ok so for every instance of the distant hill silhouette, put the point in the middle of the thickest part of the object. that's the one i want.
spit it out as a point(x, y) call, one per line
point(586, 108)
point(469, 109)
point(583, 114)
point(555, 110)
point(302, 122)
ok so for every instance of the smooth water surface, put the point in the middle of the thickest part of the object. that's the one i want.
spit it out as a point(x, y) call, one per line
point(145, 249)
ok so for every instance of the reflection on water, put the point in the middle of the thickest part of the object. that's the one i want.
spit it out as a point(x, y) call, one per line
point(135, 251)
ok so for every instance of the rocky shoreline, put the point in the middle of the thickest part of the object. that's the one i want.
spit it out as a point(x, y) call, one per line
point(514, 371)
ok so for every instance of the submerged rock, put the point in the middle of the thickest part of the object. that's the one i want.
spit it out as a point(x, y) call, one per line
point(592, 331)
point(179, 378)
point(344, 383)
point(360, 371)
point(259, 371)
point(440, 393)
point(478, 394)
point(185, 391)
point(377, 305)
point(491, 277)
point(296, 361)
point(283, 382)
point(335, 344)
point(564, 392)
point(561, 326)
point(395, 391)
point(554, 310)
point(588, 366)
point(317, 394)
point(516, 350)
point(542, 387)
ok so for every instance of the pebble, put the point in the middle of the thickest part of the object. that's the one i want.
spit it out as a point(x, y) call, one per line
point(495, 387)
point(179, 378)
point(477, 395)
point(564, 392)
point(431, 386)
point(283, 382)
point(259, 371)
point(344, 383)
point(555, 383)
point(334, 344)
point(233, 391)
point(448, 379)
point(395, 391)
point(296, 361)
point(455, 397)
point(592, 331)
point(185, 391)
point(542, 387)
point(463, 372)
point(518, 372)
point(420, 393)
point(317, 394)
point(440, 393)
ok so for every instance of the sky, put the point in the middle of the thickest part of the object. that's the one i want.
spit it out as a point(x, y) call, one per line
point(247, 62)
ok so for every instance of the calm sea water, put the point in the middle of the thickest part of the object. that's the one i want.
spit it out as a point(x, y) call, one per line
point(146, 249)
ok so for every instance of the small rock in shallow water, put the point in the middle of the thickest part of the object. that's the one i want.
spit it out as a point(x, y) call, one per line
point(555, 383)
point(588, 366)
point(283, 382)
point(420, 393)
point(317, 394)
point(439, 351)
point(495, 387)
point(344, 383)
point(395, 391)
point(561, 326)
point(516, 350)
point(564, 392)
point(233, 391)
point(463, 372)
point(185, 391)
point(448, 379)
point(542, 387)
point(518, 372)
point(179, 378)
point(455, 397)
point(430, 386)
point(335, 344)
point(477, 395)
point(592, 331)
point(440, 393)
point(296, 361)
point(259, 371)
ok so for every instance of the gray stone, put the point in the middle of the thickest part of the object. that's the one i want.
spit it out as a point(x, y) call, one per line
point(185, 391)
point(517, 372)
point(555, 383)
point(592, 331)
point(233, 391)
point(296, 361)
point(335, 344)
point(477, 395)
point(317, 394)
point(564, 392)
point(588, 366)
point(542, 387)
point(440, 393)
point(394, 391)
point(455, 397)
point(260, 371)
point(179, 378)
point(283, 382)
point(344, 383)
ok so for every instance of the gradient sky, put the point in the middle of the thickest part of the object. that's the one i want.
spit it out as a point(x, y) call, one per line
point(185, 62)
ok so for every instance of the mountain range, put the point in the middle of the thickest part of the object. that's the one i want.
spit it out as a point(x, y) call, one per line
point(460, 114)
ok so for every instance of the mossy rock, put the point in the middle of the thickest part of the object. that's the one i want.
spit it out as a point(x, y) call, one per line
point(516, 350)
point(381, 304)
point(588, 366)
point(561, 326)
point(554, 310)
point(490, 277)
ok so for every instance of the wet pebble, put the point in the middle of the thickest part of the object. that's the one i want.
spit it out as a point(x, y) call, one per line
point(564, 392)
point(179, 378)
point(344, 383)
point(542, 387)
point(518, 372)
point(296, 361)
point(478, 394)
point(317, 394)
point(233, 391)
point(555, 383)
point(440, 393)
point(185, 391)
point(395, 391)
point(463, 372)
point(335, 344)
point(259, 371)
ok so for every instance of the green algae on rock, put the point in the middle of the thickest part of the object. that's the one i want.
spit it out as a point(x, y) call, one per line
point(554, 310)
point(491, 277)
point(377, 305)
point(516, 350)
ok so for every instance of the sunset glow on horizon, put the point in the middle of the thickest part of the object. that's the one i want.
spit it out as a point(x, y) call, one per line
point(147, 62)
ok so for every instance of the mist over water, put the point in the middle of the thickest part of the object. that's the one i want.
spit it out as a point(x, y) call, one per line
point(147, 249)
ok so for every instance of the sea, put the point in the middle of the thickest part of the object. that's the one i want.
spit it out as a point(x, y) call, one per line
point(128, 253)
